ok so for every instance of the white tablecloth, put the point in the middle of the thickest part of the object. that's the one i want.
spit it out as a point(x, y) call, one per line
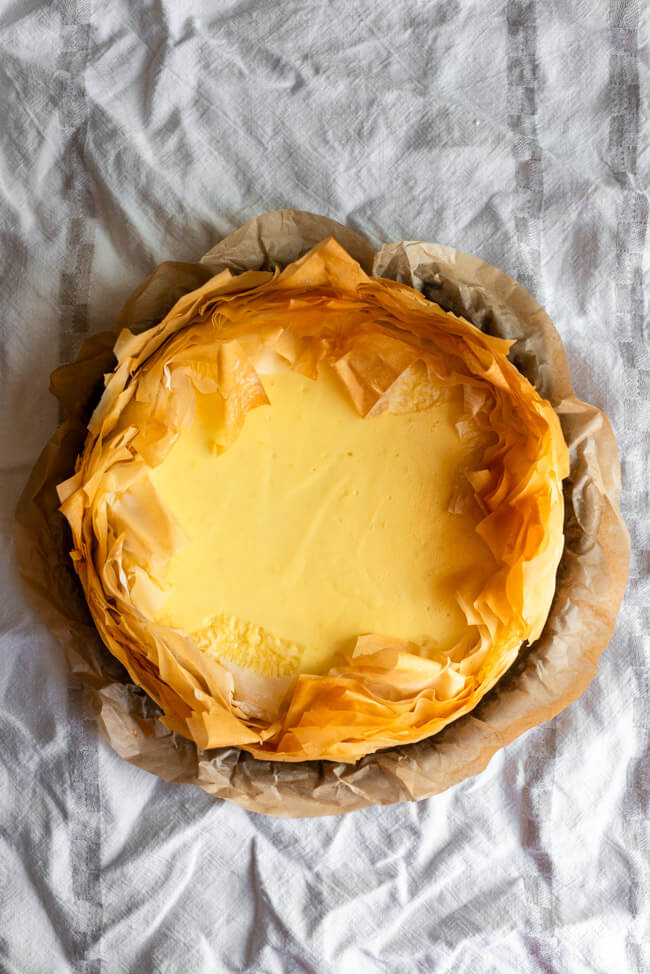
point(137, 132)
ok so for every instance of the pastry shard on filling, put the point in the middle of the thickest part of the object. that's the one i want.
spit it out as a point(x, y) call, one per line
point(315, 514)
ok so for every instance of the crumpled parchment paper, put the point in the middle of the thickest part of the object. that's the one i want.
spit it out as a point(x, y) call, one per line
point(545, 678)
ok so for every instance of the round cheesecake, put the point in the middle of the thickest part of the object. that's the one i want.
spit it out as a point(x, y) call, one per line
point(316, 515)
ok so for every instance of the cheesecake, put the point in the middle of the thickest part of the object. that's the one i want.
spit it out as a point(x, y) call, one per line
point(316, 515)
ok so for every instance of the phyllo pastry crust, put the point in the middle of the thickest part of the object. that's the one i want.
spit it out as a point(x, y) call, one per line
point(316, 515)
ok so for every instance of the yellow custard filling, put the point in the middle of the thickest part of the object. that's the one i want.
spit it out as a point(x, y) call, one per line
point(316, 526)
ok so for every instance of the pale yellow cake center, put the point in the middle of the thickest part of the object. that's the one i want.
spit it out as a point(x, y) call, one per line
point(316, 526)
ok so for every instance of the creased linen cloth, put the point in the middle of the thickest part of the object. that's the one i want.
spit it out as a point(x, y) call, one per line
point(133, 133)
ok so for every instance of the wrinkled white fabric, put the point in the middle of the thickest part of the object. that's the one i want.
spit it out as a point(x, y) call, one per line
point(134, 133)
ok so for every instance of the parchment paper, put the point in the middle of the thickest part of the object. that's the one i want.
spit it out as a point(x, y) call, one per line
point(546, 677)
